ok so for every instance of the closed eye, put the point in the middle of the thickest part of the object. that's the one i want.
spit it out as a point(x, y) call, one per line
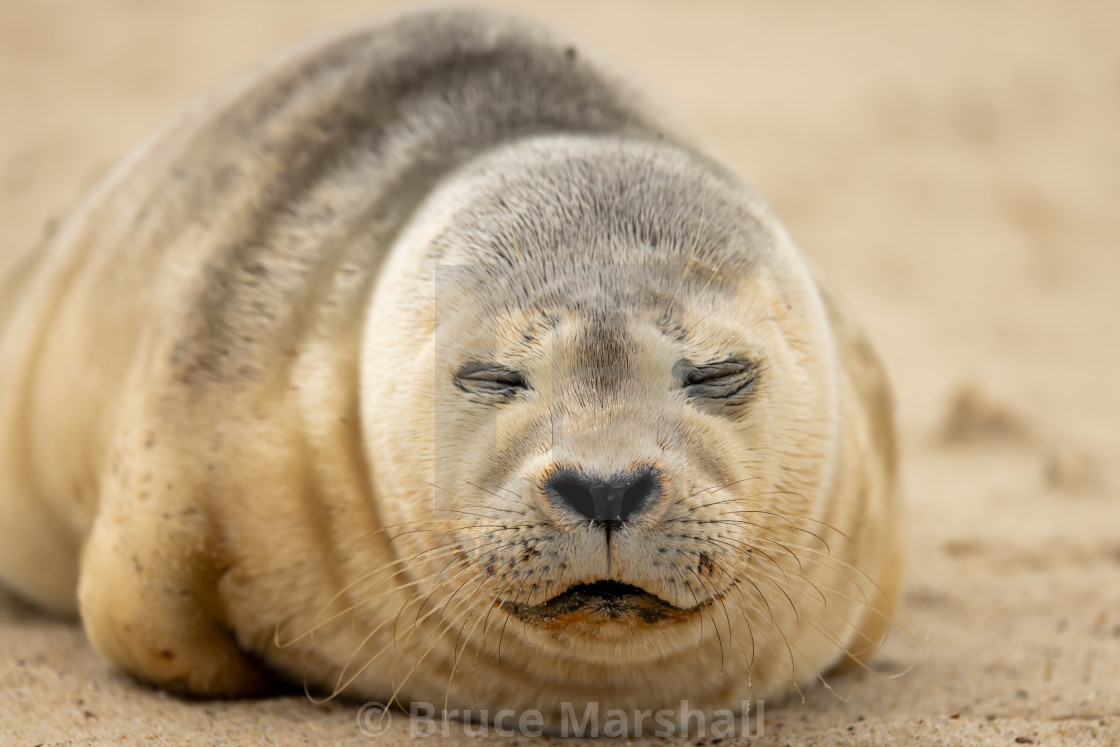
point(489, 379)
point(730, 379)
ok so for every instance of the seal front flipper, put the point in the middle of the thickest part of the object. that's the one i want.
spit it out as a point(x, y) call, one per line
point(148, 589)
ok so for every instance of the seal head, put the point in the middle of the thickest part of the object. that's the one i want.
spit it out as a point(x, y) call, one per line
point(631, 396)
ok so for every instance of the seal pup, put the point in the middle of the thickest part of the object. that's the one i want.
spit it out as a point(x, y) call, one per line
point(429, 363)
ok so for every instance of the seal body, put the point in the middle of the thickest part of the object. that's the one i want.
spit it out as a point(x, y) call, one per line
point(428, 363)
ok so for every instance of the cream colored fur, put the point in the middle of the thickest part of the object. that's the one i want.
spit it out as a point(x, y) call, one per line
point(231, 437)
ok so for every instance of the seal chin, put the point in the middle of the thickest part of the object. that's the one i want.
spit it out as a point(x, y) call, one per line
point(598, 603)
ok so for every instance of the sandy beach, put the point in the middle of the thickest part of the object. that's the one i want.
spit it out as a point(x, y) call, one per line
point(954, 171)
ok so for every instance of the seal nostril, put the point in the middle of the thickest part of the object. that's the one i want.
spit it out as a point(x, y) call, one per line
point(576, 495)
point(636, 496)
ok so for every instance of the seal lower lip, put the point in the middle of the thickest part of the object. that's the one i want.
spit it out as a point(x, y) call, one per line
point(596, 602)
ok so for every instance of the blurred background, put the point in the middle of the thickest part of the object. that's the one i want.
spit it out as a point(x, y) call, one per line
point(953, 168)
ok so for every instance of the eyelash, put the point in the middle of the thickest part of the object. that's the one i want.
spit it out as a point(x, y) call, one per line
point(494, 380)
point(723, 380)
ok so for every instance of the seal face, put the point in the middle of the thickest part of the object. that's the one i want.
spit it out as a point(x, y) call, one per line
point(443, 372)
point(639, 428)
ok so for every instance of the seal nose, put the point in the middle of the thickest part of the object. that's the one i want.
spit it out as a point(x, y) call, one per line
point(621, 497)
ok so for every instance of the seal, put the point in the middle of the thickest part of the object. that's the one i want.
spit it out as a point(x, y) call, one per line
point(430, 363)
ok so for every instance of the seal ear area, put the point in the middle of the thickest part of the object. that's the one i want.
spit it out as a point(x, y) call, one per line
point(729, 381)
point(490, 381)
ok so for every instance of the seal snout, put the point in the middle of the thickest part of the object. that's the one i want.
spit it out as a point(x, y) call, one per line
point(621, 497)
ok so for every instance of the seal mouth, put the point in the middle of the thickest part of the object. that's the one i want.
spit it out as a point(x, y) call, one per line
point(599, 602)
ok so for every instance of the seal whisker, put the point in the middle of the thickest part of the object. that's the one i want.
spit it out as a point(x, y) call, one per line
point(463, 498)
point(790, 521)
point(517, 497)
point(715, 272)
point(751, 550)
point(442, 626)
point(716, 489)
point(789, 518)
point(846, 620)
point(529, 284)
point(459, 649)
point(716, 597)
point(427, 555)
point(750, 545)
point(342, 685)
point(434, 553)
point(822, 559)
point(820, 589)
point(497, 544)
point(791, 669)
point(692, 250)
point(342, 681)
point(411, 523)
point(499, 592)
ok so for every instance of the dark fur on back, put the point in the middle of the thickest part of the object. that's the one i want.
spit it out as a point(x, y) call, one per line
point(410, 100)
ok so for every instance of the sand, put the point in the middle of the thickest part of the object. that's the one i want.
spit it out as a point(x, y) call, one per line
point(952, 167)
